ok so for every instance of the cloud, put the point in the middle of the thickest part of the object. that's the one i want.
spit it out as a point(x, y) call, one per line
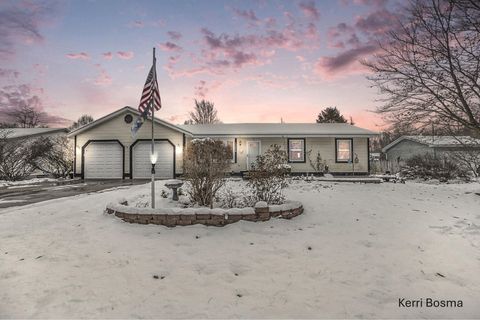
point(9, 73)
point(346, 62)
point(377, 22)
point(248, 15)
point(78, 56)
point(137, 24)
point(103, 78)
point(309, 10)
point(201, 89)
point(174, 35)
point(20, 22)
point(342, 35)
point(107, 55)
point(169, 46)
point(125, 55)
point(13, 97)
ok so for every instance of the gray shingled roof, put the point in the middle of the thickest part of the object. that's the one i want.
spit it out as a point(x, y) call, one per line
point(276, 129)
point(13, 133)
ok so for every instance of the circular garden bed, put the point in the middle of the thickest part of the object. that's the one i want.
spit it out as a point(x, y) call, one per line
point(172, 217)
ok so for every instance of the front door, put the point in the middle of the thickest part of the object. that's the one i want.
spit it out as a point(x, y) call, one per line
point(253, 150)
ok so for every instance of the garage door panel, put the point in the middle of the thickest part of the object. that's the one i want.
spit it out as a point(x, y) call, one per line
point(141, 164)
point(103, 160)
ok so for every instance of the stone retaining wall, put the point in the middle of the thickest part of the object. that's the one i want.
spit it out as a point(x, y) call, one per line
point(259, 213)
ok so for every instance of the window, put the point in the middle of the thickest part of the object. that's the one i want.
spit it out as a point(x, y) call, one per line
point(231, 144)
point(344, 150)
point(296, 150)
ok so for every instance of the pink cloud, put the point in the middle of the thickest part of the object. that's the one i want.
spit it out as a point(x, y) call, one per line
point(107, 55)
point(8, 73)
point(377, 22)
point(310, 10)
point(201, 89)
point(125, 55)
point(21, 23)
point(78, 56)
point(346, 62)
point(103, 78)
point(174, 35)
point(169, 46)
point(248, 15)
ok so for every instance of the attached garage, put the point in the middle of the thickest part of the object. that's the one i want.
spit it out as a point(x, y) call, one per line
point(140, 161)
point(103, 160)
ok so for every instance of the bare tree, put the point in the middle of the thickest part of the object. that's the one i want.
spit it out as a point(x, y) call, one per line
point(203, 113)
point(15, 157)
point(83, 120)
point(429, 67)
point(27, 116)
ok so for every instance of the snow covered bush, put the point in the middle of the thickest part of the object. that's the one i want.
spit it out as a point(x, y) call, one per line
point(268, 176)
point(206, 164)
point(429, 167)
point(15, 158)
point(53, 156)
point(235, 195)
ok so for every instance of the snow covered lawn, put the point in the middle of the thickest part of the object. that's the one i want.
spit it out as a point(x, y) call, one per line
point(355, 251)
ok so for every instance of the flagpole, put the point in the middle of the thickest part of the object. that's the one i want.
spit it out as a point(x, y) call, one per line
point(153, 139)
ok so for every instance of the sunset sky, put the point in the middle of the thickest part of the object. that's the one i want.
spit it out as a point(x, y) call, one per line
point(258, 61)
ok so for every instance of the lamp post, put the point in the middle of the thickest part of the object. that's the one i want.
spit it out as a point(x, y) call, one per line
point(153, 160)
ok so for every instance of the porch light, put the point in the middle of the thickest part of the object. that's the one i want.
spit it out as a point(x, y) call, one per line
point(153, 158)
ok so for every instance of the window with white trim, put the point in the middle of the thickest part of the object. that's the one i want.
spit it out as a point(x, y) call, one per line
point(296, 150)
point(344, 150)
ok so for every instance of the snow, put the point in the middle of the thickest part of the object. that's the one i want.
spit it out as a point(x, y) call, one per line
point(354, 252)
point(28, 182)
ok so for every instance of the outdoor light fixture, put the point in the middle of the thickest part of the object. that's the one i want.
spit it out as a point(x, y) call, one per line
point(153, 160)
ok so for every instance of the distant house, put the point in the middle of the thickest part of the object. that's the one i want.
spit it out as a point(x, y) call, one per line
point(105, 148)
point(24, 133)
point(406, 147)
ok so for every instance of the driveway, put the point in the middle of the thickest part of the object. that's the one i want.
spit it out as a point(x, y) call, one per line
point(21, 195)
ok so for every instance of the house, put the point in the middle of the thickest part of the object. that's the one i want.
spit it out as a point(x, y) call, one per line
point(406, 147)
point(105, 148)
point(12, 134)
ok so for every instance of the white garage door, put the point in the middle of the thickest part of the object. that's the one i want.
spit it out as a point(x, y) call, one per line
point(142, 166)
point(103, 160)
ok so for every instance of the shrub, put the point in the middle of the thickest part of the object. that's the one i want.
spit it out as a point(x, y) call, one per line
point(231, 195)
point(429, 167)
point(268, 176)
point(317, 164)
point(53, 156)
point(206, 163)
point(15, 158)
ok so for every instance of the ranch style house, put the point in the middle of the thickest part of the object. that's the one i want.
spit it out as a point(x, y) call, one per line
point(105, 148)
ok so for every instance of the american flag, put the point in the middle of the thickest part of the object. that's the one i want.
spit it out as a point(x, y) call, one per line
point(150, 93)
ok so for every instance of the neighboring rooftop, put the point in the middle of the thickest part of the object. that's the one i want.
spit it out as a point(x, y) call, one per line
point(14, 133)
point(437, 141)
point(277, 129)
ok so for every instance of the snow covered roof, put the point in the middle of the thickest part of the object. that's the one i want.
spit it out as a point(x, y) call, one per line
point(14, 133)
point(277, 129)
point(436, 141)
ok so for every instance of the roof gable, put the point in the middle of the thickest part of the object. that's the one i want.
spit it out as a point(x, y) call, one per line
point(112, 115)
